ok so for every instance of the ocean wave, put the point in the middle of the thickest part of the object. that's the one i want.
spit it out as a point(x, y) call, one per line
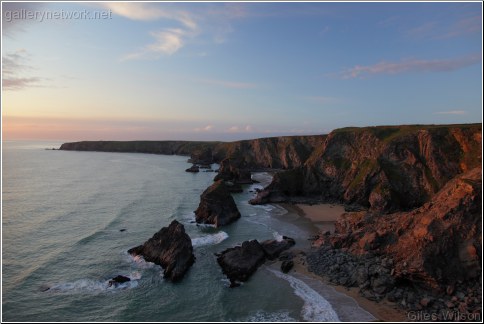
point(211, 239)
point(92, 286)
point(263, 316)
point(316, 308)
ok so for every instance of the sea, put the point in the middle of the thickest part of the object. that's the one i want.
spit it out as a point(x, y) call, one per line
point(68, 219)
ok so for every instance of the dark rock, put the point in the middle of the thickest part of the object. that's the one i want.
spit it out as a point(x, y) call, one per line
point(382, 283)
point(170, 248)
point(240, 262)
point(450, 290)
point(194, 168)
point(287, 265)
point(286, 256)
point(272, 248)
point(425, 302)
point(217, 206)
point(234, 170)
point(449, 304)
point(233, 187)
point(117, 280)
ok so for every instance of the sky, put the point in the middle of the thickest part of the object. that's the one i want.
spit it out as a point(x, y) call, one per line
point(230, 71)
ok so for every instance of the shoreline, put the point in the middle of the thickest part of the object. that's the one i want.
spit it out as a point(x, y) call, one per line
point(323, 216)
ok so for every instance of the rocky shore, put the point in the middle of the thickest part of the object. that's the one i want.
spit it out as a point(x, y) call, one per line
point(412, 232)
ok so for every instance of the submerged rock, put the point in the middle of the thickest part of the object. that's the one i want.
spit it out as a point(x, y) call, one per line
point(170, 248)
point(194, 168)
point(217, 206)
point(118, 279)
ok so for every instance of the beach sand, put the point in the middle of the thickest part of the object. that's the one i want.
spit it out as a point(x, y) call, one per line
point(323, 217)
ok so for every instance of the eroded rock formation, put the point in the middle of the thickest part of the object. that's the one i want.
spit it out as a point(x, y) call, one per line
point(217, 206)
point(171, 248)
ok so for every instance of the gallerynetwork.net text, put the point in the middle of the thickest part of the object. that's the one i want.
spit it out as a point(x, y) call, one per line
point(41, 15)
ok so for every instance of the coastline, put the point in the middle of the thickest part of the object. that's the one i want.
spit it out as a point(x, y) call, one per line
point(323, 216)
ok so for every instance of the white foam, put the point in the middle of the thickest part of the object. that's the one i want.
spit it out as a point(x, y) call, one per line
point(140, 262)
point(278, 237)
point(267, 208)
point(207, 225)
point(211, 239)
point(93, 286)
point(263, 316)
point(316, 308)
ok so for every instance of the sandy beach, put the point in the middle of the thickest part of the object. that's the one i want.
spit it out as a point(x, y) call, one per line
point(323, 217)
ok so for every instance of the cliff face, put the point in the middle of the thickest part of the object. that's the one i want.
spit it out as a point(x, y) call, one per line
point(274, 152)
point(154, 147)
point(285, 152)
point(382, 168)
point(434, 246)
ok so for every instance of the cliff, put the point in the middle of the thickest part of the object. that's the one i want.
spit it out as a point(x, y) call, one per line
point(386, 168)
point(153, 147)
point(284, 152)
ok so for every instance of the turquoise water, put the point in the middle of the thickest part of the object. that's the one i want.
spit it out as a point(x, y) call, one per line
point(62, 216)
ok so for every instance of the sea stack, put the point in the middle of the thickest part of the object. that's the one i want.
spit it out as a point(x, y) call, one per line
point(171, 248)
point(217, 206)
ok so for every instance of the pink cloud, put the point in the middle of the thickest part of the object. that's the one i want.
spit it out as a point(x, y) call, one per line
point(411, 65)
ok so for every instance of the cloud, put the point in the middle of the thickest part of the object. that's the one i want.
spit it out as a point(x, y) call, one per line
point(167, 41)
point(207, 128)
point(241, 129)
point(16, 70)
point(411, 65)
point(423, 31)
point(451, 112)
point(20, 83)
point(436, 30)
point(464, 26)
point(209, 20)
point(229, 84)
point(149, 12)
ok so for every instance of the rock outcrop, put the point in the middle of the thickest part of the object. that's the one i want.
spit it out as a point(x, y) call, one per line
point(435, 245)
point(240, 262)
point(171, 248)
point(384, 169)
point(412, 256)
point(217, 206)
point(234, 171)
point(273, 248)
